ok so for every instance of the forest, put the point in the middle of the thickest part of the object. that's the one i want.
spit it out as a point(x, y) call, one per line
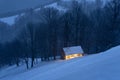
point(42, 34)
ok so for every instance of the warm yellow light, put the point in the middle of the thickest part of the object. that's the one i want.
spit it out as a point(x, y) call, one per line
point(73, 56)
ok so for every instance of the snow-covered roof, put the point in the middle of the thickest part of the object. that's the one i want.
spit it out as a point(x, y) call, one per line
point(73, 50)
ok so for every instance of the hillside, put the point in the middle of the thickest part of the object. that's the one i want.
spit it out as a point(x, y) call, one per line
point(8, 15)
point(12, 7)
point(11, 19)
point(103, 66)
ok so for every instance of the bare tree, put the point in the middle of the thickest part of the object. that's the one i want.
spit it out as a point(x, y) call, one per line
point(51, 16)
point(112, 12)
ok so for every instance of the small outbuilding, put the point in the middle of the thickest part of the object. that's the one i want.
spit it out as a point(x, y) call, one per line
point(72, 52)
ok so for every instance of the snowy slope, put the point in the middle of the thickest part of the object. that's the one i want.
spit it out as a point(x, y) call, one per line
point(58, 7)
point(16, 5)
point(11, 20)
point(103, 66)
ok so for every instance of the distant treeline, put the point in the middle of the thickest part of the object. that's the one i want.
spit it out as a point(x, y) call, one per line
point(43, 34)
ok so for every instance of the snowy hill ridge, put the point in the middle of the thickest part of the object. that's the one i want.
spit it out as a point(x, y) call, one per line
point(103, 66)
point(11, 19)
point(61, 5)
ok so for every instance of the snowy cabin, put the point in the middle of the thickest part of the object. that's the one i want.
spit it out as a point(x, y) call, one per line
point(72, 52)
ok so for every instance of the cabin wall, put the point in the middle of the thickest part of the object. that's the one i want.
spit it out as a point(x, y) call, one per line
point(62, 55)
point(73, 56)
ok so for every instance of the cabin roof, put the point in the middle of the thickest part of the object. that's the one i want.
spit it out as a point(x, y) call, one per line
point(73, 50)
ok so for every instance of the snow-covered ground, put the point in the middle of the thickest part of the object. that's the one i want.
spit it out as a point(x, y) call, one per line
point(102, 66)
